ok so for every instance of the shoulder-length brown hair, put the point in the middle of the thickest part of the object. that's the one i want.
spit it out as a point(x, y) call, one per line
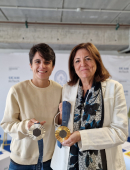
point(101, 73)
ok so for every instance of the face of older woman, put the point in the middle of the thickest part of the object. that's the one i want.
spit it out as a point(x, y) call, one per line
point(84, 64)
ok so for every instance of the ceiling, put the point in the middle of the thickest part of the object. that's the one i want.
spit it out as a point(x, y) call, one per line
point(64, 11)
point(10, 12)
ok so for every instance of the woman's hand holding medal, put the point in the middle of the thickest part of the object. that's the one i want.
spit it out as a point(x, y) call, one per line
point(32, 121)
point(36, 130)
point(73, 138)
point(60, 115)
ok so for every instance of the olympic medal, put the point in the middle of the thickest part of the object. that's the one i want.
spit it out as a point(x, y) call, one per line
point(62, 133)
point(36, 132)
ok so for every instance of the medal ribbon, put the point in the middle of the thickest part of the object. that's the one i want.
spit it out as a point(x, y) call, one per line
point(66, 106)
point(39, 165)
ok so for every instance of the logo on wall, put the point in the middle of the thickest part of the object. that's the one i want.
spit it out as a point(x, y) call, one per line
point(123, 69)
point(126, 92)
point(123, 81)
point(13, 68)
point(60, 77)
point(14, 79)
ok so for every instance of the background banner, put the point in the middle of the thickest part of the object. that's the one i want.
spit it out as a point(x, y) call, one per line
point(119, 68)
point(15, 68)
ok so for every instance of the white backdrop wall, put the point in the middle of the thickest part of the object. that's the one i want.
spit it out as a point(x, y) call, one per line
point(15, 68)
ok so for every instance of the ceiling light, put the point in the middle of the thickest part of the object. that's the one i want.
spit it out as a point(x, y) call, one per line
point(78, 9)
point(93, 16)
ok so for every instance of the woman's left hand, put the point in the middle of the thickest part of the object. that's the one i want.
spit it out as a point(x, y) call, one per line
point(75, 137)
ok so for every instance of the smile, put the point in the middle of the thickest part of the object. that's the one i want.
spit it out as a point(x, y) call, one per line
point(42, 71)
point(84, 69)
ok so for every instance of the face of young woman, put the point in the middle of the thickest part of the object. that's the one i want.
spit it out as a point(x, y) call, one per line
point(41, 68)
point(84, 64)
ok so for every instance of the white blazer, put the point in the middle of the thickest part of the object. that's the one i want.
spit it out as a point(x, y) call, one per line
point(110, 137)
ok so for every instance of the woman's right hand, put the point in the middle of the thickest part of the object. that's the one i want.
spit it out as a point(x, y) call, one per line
point(60, 107)
point(60, 115)
point(32, 121)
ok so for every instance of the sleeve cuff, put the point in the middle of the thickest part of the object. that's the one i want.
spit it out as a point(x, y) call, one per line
point(26, 126)
point(80, 143)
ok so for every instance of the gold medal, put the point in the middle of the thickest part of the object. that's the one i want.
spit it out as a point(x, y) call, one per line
point(62, 133)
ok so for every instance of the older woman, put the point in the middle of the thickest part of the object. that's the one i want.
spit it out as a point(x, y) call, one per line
point(98, 118)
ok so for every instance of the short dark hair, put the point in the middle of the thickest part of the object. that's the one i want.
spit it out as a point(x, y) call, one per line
point(101, 73)
point(45, 51)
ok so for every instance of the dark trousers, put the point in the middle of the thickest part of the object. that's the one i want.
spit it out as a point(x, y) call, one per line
point(15, 166)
